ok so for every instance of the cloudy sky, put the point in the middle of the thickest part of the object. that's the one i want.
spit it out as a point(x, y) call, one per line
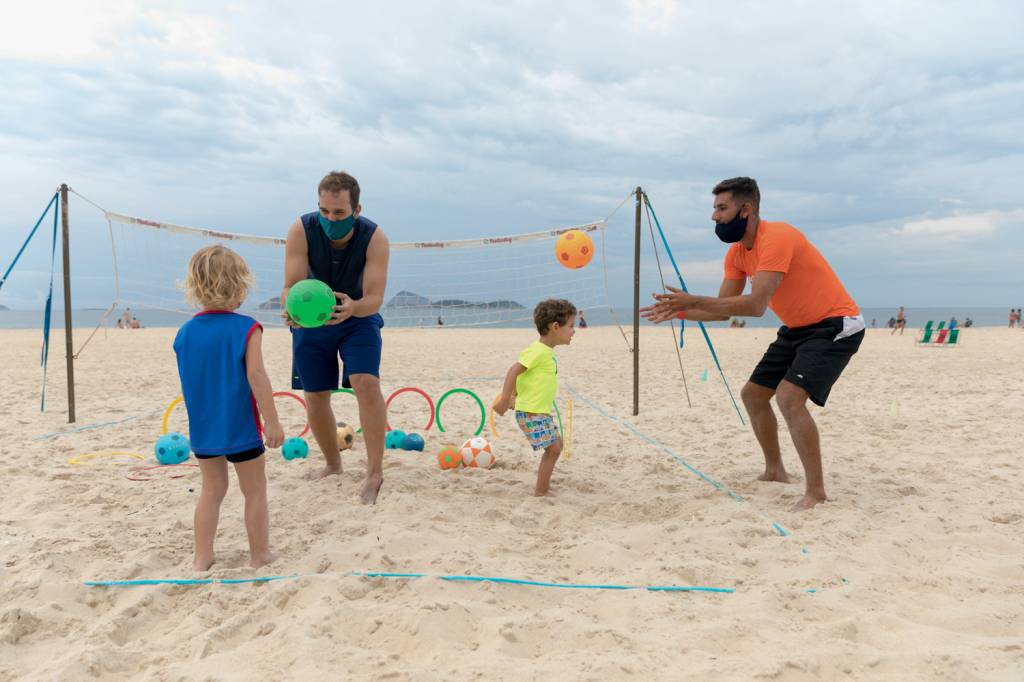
point(889, 132)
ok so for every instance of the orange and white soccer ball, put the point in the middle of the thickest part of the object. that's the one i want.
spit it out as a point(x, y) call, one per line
point(476, 452)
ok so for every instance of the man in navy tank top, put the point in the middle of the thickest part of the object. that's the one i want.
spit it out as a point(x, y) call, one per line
point(339, 246)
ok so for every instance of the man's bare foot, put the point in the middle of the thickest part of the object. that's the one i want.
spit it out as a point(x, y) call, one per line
point(808, 502)
point(328, 470)
point(261, 560)
point(202, 563)
point(371, 488)
point(774, 476)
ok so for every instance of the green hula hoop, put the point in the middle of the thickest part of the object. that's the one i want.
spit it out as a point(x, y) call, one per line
point(560, 430)
point(483, 411)
point(353, 394)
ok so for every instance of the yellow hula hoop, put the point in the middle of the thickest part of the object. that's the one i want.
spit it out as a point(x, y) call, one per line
point(79, 459)
point(167, 414)
point(568, 438)
point(494, 431)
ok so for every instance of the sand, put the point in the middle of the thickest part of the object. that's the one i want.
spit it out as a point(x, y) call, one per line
point(914, 570)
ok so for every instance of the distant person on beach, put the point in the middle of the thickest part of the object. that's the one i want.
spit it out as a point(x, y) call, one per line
point(952, 322)
point(1013, 317)
point(126, 318)
point(968, 322)
point(533, 383)
point(582, 323)
point(872, 323)
point(226, 391)
point(337, 245)
point(891, 323)
point(822, 325)
point(135, 324)
point(120, 323)
point(440, 322)
point(900, 322)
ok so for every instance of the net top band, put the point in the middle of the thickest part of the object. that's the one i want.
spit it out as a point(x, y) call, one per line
point(276, 241)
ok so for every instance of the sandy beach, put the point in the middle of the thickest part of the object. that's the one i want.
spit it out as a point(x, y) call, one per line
point(914, 570)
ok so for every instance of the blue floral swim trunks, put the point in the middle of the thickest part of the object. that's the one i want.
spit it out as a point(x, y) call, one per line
point(539, 429)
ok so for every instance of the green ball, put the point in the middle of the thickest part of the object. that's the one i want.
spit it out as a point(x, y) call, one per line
point(310, 303)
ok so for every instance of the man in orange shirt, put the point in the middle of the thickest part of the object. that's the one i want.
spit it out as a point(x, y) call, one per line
point(822, 326)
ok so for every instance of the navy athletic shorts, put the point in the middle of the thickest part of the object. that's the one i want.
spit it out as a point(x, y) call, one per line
point(315, 352)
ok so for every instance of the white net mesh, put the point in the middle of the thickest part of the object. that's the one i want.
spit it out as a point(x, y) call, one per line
point(488, 281)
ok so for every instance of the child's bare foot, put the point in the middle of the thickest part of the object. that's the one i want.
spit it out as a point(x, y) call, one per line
point(371, 488)
point(545, 493)
point(328, 470)
point(774, 476)
point(202, 563)
point(808, 501)
point(258, 561)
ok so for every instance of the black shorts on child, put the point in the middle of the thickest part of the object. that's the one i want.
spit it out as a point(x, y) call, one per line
point(238, 457)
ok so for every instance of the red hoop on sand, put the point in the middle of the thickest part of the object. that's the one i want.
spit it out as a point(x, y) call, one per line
point(411, 389)
point(302, 402)
point(136, 470)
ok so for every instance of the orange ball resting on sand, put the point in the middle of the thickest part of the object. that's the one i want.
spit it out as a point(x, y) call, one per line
point(449, 457)
point(574, 249)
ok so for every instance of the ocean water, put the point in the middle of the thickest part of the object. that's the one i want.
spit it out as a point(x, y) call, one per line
point(427, 317)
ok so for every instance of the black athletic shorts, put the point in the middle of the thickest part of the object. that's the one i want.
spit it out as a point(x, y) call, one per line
point(811, 357)
point(238, 457)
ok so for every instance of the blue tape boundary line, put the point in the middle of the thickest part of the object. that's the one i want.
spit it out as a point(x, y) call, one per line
point(673, 454)
point(90, 427)
point(406, 576)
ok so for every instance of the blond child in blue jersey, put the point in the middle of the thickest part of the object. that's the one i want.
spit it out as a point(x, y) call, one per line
point(534, 382)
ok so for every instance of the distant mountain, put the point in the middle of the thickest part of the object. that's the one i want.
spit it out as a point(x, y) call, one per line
point(459, 303)
point(407, 299)
point(271, 304)
point(3, 307)
point(506, 305)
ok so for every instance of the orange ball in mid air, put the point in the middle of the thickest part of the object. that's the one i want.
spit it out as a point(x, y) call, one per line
point(574, 249)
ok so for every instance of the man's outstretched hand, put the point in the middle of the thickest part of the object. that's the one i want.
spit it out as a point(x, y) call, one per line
point(668, 306)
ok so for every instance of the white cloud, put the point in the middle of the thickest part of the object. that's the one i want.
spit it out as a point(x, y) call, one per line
point(60, 32)
point(652, 15)
point(701, 272)
point(957, 227)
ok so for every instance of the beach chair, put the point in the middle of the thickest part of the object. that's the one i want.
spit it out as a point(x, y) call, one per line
point(954, 336)
point(941, 339)
point(926, 333)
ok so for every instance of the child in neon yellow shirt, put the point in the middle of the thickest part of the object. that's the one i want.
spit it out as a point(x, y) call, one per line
point(534, 382)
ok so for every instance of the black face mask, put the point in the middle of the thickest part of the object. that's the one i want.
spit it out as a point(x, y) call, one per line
point(733, 230)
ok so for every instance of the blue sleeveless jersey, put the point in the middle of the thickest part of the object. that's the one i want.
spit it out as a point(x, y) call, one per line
point(222, 415)
point(343, 268)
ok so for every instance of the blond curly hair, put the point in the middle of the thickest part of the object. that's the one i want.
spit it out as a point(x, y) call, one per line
point(217, 279)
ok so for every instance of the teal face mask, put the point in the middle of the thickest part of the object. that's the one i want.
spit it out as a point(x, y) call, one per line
point(337, 229)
